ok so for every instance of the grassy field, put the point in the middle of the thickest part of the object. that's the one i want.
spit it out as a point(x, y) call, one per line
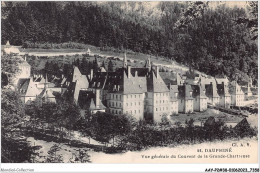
point(132, 56)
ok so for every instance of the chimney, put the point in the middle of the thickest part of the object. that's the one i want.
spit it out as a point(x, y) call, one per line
point(91, 74)
point(156, 71)
point(97, 98)
point(136, 74)
point(129, 71)
point(125, 62)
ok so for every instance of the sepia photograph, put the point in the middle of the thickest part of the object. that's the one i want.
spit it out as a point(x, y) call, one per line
point(129, 82)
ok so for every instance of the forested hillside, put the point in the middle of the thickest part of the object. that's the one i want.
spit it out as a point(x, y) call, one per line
point(212, 42)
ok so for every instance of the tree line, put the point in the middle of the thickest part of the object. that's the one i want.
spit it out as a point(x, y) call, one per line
point(58, 121)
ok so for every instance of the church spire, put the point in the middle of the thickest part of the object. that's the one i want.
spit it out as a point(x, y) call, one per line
point(125, 62)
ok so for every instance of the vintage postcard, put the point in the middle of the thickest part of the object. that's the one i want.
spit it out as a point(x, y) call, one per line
point(129, 82)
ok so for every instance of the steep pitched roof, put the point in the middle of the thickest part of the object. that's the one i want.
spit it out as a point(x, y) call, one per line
point(235, 88)
point(126, 83)
point(185, 92)
point(223, 89)
point(174, 92)
point(155, 83)
point(211, 90)
point(76, 74)
point(47, 93)
point(26, 87)
point(119, 81)
point(87, 101)
point(134, 84)
point(102, 79)
point(198, 90)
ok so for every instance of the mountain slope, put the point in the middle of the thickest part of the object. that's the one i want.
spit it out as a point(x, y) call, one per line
point(212, 43)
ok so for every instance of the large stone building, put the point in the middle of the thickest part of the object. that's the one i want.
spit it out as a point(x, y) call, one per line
point(237, 94)
point(225, 97)
point(199, 98)
point(157, 96)
point(174, 99)
point(136, 91)
point(126, 94)
point(185, 99)
point(212, 93)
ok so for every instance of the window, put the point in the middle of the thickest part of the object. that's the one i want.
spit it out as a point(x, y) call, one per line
point(135, 96)
point(139, 103)
point(131, 104)
point(116, 96)
point(139, 111)
point(126, 104)
point(135, 111)
point(156, 109)
point(140, 96)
